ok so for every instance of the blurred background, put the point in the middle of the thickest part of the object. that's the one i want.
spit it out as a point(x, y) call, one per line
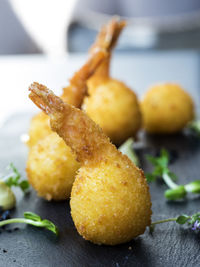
point(55, 27)
point(47, 40)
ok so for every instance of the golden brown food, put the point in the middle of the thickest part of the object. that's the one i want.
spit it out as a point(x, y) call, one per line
point(166, 108)
point(72, 94)
point(39, 128)
point(110, 200)
point(39, 174)
point(110, 103)
point(115, 108)
point(51, 168)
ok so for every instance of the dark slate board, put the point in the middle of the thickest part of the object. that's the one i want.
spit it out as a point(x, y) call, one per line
point(170, 245)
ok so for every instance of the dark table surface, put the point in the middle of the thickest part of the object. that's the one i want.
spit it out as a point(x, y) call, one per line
point(170, 244)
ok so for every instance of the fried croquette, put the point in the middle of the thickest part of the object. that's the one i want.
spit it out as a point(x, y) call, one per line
point(166, 108)
point(115, 108)
point(51, 168)
point(110, 199)
point(110, 103)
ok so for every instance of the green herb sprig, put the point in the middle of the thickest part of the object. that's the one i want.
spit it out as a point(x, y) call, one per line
point(193, 221)
point(15, 179)
point(195, 126)
point(161, 170)
point(127, 149)
point(32, 219)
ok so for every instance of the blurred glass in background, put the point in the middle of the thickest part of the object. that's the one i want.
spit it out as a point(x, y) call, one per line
point(56, 27)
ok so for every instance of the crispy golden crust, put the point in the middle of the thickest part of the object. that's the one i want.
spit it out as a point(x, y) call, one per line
point(110, 201)
point(39, 128)
point(110, 103)
point(166, 108)
point(75, 92)
point(106, 39)
point(72, 94)
point(51, 168)
point(114, 107)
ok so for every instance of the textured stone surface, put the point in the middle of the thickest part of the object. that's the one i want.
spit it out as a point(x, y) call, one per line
point(170, 245)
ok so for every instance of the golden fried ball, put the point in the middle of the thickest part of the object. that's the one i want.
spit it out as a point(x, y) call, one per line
point(51, 168)
point(166, 108)
point(39, 128)
point(110, 202)
point(115, 108)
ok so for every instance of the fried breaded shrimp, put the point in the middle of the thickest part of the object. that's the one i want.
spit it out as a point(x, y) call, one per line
point(110, 103)
point(110, 199)
point(72, 94)
point(166, 108)
point(51, 165)
point(51, 168)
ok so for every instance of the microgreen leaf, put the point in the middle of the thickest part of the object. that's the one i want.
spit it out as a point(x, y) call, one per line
point(32, 219)
point(182, 219)
point(32, 216)
point(161, 170)
point(14, 179)
point(127, 149)
point(177, 193)
point(150, 177)
point(195, 126)
point(193, 187)
point(192, 221)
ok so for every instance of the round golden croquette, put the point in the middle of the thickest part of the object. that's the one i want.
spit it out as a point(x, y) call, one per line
point(51, 168)
point(166, 108)
point(114, 107)
point(110, 199)
point(110, 203)
point(39, 128)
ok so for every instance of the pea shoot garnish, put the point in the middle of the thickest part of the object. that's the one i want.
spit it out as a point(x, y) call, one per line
point(32, 219)
point(192, 221)
point(127, 149)
point(195, 126)
point(15, 179)
point(161, 170)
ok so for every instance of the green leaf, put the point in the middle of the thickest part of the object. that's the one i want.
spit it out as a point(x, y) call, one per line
point(177, 193)
point(152, 159)
point(150, 177)
point(182, 219)
point(193, 187)
point(195, 217)
point(127, 149)
point(24, 185)
point(32, 216)
point(14, 179)
point(50, 226)
point(172, 175)
point(195, 126)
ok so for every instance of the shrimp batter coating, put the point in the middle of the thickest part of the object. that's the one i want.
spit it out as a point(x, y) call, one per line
point(52, 167)
point(110, 103)
point(72, 94)
point(110, 200)
point(166, 108)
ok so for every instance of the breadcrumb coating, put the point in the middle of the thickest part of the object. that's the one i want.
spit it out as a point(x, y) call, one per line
point(166, 108)
point(51, 168)
point(110, 200)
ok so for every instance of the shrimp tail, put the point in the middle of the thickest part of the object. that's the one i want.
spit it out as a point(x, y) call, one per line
point(75, 93)
point(77, 130)
point(108, 35)
point(89, 67)
point(46, 100)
